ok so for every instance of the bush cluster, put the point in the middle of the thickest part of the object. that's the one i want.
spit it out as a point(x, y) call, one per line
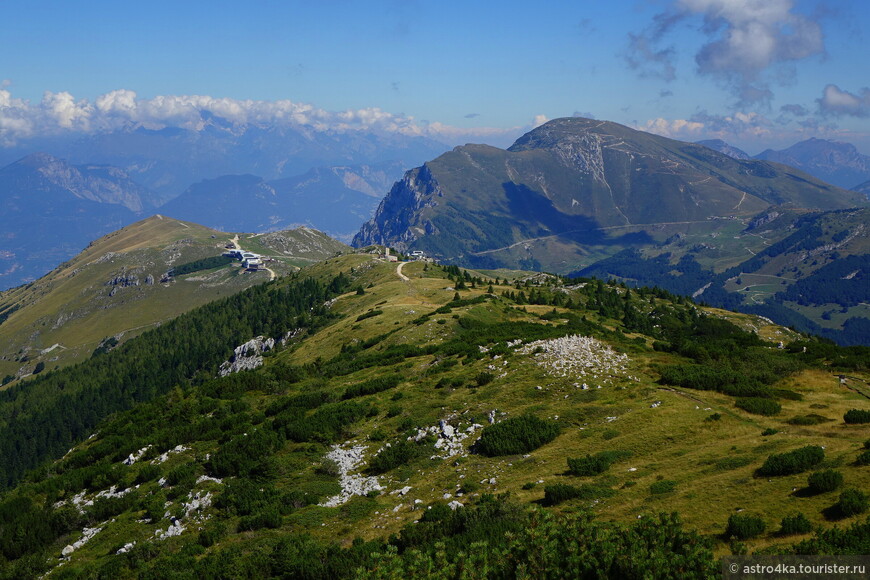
point(824, 481)
point(516, 435)
point(758, 405)
point(795, 524)
point(796, 461)
point(372, 386)
point(369, 314)
point(595, 464)
point(856, 416)
point(559, 492)
point(663, 486)
point(744, 527)
point(851, 503)
point(398, 453)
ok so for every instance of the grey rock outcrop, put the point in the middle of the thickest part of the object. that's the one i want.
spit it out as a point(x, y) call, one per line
point(247, 356)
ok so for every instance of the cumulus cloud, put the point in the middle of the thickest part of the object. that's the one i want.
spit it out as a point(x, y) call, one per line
point(745, 40)
point(61, 112)
point(748, 130)
point(704, 125)
point(837, 102)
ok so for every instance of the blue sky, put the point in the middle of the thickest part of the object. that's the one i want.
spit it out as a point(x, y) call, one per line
point(757, 73)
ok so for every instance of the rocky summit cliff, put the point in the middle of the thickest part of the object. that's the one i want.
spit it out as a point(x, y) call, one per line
point(575, 190)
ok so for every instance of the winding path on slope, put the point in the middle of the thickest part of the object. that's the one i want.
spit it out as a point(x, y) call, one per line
point(399, 272)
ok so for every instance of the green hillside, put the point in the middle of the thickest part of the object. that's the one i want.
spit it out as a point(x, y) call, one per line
point(424, 421)
point(120, 286)
point(574, 191)
point(807, 270)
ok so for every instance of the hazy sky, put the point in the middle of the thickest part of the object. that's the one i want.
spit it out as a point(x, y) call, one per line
point(757, 73)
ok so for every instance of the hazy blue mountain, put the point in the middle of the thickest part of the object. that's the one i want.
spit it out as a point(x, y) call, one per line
point(723, 147)
point(52, 209)
point(863, 188)
point(335, 200)
point(169, 160)
point(835, 162)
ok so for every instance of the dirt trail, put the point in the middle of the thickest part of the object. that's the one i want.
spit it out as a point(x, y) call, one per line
point(399, 272)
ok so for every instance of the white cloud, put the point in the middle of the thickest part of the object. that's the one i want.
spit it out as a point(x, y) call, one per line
point(836, 101)
point(66, 112)
point(738, 126)
point(745, 41)
point(61, 112)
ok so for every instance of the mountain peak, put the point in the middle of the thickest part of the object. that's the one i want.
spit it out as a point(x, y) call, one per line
point(575, 183)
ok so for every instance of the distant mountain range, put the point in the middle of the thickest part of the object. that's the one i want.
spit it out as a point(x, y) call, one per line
point(52, 209)
point(334, 199)
point(833, 161)
point(59, 193)
point(169, 160)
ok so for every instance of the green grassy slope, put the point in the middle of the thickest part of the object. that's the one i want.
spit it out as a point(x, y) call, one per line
point(407, 376)
point(117, 288)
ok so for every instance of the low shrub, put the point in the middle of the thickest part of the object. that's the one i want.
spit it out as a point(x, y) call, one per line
point(856, 416)
point(863, 458)
point(609, 434)
point(796, 461)
point(851, 503)
point(369, 314)
point(398, 453)
point(183, 474)
point(516, 435)
point(484, 378)
point(595, 464)
point(372, 386)
point(811, 419)
point(744, 526)
point(268, 518)
point(148, 472)
point(663, 486)
point(469, 486)
point(824, 481)
point(795, 524)
point(559, 492)
point(758, 405)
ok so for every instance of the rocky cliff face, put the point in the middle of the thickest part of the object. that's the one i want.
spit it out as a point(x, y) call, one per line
point(100, 183)
point(398, 219)
point(723, 147)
